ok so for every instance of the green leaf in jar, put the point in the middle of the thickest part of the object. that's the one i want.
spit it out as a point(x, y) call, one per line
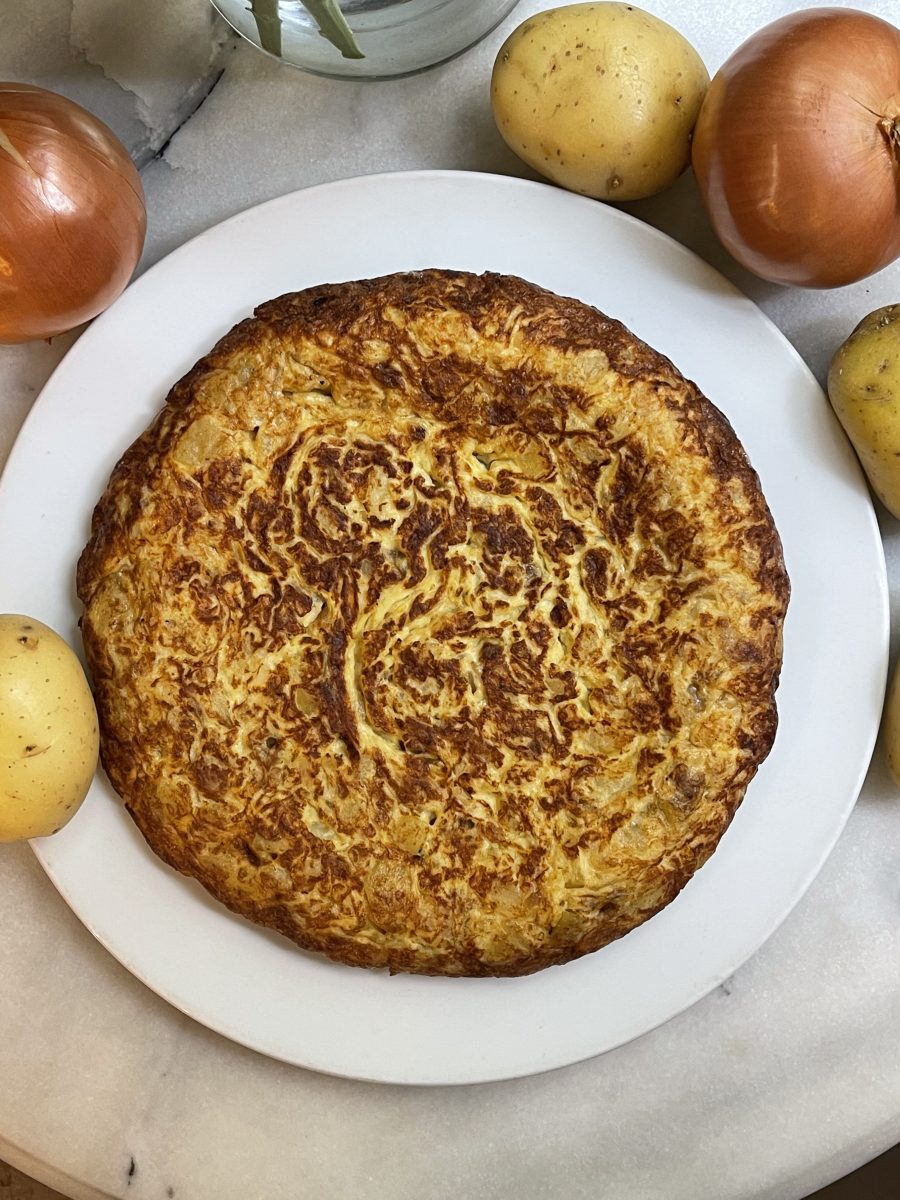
point(327, 15)
point(268, 24)
point(333, 25)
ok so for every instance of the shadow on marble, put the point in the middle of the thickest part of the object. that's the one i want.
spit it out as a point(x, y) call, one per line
point(16, 1186)
point(878, 1180)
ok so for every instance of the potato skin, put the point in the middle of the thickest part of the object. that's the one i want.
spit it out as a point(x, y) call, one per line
point(600, 98)
point(864, 390)
point(48, 730)
point(890, 726)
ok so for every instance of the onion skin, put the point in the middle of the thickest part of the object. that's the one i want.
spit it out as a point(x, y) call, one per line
point(797, 149)
point(72, 218)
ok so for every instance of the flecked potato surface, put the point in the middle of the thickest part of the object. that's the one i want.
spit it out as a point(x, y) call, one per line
point(600, 98)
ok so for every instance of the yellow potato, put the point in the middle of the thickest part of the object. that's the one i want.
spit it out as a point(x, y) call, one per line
point(600, 98)
point(48, 730)
point(890, 726)
point(864, 389)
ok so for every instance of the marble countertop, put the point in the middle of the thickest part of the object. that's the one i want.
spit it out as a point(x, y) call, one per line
point(781, 1080)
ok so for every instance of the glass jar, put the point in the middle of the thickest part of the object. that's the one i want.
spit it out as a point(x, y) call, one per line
point(390, 37)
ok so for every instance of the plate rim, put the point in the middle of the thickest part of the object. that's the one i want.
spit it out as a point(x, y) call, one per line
point(44, 848)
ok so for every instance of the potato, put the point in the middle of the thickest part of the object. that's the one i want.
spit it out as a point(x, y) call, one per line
point(600, 98)
point(48, 730)
point(864, 390)
point(890, 726)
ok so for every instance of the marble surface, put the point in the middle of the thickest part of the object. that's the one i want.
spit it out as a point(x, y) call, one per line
point(782, 1079)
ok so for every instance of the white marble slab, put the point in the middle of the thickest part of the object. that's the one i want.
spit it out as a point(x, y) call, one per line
point(783, 1079)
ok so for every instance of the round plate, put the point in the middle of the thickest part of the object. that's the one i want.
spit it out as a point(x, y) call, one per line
point(255, 987)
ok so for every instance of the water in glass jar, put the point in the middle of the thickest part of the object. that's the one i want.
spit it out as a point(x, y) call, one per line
point(396, 37)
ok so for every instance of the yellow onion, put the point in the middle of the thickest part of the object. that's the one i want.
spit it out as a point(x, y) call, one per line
point(797, 149)
point(72, 214)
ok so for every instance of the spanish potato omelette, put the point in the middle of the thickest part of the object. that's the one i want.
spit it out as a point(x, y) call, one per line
point(435, 622)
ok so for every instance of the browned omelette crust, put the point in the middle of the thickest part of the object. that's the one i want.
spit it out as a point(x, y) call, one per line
point(435, 622)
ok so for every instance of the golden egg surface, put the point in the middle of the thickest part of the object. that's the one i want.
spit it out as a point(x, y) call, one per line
point(436, 623)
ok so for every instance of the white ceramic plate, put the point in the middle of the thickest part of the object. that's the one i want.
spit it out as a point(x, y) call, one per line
point(255, 987)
